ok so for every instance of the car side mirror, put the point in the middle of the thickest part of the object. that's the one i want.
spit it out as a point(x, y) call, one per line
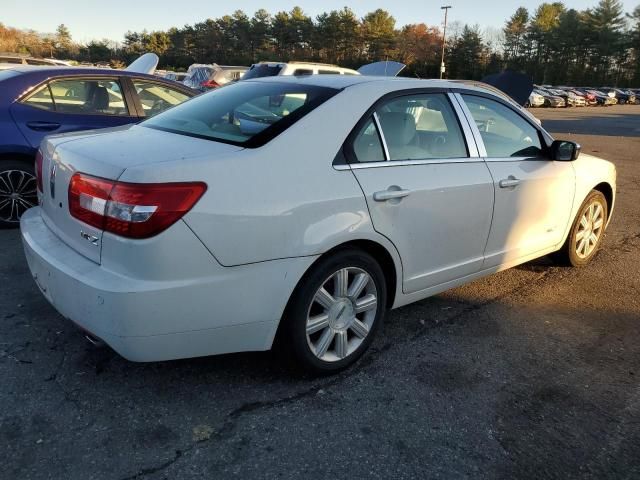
point(564, 150)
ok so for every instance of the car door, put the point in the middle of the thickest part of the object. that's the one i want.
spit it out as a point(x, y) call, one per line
point(72, 104)
point(533, 194)
point(155, 97)
point(426, 188)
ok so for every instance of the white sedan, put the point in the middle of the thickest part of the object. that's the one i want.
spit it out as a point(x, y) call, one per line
point(299, 210)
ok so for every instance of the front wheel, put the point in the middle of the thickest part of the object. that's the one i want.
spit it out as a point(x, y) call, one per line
point(586, 232)
point(335, 312)
point(18, 191)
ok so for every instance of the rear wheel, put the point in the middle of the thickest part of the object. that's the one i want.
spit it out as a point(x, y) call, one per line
point(335, 312)
point(18, 191)
point(586, 232)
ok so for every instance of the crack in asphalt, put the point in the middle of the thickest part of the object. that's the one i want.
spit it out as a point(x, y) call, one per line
point(151, 470)
point(232, 418)
point(230, 424)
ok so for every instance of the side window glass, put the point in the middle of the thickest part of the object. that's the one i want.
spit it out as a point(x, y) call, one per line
point(156, 98)
point(328, 72)
point(422, 126)
point(367, 145)
point(303, 71)
point(41, 98)
point(88, 97)
point(504, 133)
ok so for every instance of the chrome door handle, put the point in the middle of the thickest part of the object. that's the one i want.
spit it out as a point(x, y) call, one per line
point(510, 182)
point(390, 194)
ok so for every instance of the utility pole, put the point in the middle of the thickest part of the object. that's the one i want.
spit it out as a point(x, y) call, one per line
point(444, 38)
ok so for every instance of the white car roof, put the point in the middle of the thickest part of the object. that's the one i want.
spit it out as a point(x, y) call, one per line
point(344, 81)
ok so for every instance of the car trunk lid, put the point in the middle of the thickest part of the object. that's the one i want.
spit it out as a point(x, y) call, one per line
point(106, 156)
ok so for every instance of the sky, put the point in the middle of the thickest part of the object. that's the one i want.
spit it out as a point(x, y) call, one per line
point(90, 19)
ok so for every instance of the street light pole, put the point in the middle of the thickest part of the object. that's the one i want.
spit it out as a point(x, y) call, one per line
point(444, 38)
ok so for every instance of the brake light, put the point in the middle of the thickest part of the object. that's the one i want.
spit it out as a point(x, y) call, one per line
point(210, 84)
point(133, 210)
point(39, 171)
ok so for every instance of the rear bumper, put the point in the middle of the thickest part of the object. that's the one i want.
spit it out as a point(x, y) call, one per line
point(231, 310)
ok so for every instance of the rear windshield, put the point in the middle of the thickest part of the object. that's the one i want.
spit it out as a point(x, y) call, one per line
point(245, 113)
point(262, 70)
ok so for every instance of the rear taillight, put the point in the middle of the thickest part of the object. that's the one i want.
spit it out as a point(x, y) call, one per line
point(39, 171)
point(133, 210)
point(210, 84)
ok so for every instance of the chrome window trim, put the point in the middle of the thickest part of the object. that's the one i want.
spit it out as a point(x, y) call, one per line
point(403, 163)
point(383, 140)
point(482, 151)
point(517, 159)
point(470, 140)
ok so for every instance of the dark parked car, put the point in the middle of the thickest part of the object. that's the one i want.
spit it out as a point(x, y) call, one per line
point(625, 96)
point(38, 101)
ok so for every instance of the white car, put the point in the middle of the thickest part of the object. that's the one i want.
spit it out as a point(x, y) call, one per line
point(272, 69)
point(300, 209)
point(535, 100)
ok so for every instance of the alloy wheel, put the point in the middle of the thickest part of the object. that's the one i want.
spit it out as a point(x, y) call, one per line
point(341, 314)
point(590, 229)
point(17, 194)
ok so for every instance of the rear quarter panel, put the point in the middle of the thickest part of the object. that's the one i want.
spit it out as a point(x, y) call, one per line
point(283, 199)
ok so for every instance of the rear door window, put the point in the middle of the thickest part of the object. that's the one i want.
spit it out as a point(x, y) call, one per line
point(41, 98)
point(367, 145)
point(303, 71)
point(88, 97)
point(421, 126)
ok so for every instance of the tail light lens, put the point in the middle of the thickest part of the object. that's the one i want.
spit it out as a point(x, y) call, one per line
point(39, 171)
point(133, 210)
point(210, 84)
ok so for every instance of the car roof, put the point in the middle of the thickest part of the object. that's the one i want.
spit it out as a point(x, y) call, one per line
point(61, 70)
point(344, 81)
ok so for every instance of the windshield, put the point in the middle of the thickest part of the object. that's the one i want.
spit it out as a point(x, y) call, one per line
point(245, 113)
point(262, 70)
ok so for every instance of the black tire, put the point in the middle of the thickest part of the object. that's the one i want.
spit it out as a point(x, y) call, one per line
point(568, 254)
point(293, 340)
point(16, 175)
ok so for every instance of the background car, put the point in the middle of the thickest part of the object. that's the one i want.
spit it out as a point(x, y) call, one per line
point(300, 209)
point(38, 101)
point(204, 77)
point(535, 100)
point(603, 99)
point(272, 69)
point(176, 76)
point(12, 61)
point(625, 96)
point(550, 100)
point(590, 97)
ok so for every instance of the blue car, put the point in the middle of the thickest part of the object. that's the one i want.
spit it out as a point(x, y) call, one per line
point(39, 101)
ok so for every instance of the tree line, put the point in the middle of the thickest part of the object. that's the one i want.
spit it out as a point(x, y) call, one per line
point(553, 44)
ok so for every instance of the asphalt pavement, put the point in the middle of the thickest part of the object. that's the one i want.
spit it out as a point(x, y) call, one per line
point(530, 373)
